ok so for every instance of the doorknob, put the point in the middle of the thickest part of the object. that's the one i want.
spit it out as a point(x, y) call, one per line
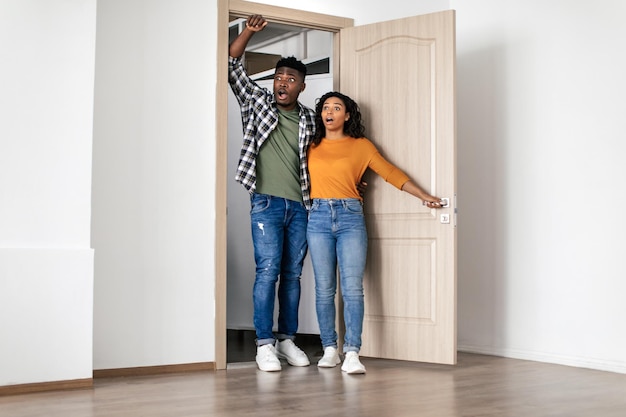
point(445, 217)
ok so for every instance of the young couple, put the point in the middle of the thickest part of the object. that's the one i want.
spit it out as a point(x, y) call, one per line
point(302, 169)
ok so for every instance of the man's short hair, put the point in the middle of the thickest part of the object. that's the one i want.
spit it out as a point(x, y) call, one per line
point(292, 62)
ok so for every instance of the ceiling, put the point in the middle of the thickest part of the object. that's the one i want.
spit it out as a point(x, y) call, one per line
point(272, 33)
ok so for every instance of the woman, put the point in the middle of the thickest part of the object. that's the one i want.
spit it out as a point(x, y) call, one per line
point(338, 157)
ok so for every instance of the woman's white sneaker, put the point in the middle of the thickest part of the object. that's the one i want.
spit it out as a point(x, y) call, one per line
point(330, 358)
point(352, 364)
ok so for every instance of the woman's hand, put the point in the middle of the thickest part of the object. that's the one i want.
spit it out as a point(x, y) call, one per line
point(433, 202)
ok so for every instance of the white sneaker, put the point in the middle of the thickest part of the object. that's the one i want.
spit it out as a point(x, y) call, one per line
point(266, 358)
point(330, 358)
point(292, 353)
point(352, 364)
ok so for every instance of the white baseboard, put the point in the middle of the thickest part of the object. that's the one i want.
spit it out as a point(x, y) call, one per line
point(579, 362)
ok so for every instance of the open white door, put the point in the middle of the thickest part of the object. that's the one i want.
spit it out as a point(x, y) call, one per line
point(402, 74)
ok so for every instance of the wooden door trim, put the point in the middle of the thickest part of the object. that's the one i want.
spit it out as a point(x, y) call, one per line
point(243, 9)
point(240, 8)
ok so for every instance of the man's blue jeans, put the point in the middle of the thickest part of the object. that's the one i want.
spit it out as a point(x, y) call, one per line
point(279, 240)
point(337, 236)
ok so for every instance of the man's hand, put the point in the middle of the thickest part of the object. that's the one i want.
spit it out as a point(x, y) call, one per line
point(256, 23)
point(361, 187)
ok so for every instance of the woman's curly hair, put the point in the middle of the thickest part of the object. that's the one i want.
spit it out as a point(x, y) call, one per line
point(353, 126)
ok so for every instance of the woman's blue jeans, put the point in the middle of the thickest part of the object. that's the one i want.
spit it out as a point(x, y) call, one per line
point(337, 237)
point(279, 240)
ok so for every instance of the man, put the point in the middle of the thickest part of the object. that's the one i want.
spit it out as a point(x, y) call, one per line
point(273, 168)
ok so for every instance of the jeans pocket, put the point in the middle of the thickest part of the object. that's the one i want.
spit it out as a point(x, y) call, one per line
point(259, 203)
point(354, 206)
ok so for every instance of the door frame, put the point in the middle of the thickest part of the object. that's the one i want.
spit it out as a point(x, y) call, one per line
point(241, 8)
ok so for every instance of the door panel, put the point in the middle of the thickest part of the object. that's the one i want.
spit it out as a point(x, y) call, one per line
point(402, 74)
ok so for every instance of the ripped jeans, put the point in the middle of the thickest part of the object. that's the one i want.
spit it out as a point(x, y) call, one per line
point(279, 240)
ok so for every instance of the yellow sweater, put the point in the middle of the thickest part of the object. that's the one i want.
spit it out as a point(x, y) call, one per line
point(336, 165)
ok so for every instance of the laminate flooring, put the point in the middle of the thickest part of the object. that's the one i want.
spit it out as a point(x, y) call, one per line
point(478, 386)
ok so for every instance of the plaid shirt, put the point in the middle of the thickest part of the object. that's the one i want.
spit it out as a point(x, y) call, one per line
point(259, 115)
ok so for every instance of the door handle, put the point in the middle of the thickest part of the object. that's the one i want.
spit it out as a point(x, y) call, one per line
point(444, 218)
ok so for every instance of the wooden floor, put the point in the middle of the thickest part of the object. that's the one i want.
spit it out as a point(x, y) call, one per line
point(479, 386)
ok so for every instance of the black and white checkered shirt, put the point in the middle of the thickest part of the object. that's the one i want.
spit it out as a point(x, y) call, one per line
point(259, 115)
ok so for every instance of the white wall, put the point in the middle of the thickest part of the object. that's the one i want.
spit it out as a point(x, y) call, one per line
point(540, 130)
point(153, 187)
point(46, 263)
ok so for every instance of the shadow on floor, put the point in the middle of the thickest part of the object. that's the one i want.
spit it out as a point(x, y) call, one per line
point(241, 346)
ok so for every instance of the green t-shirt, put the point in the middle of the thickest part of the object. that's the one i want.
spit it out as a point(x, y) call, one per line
point(278, 161)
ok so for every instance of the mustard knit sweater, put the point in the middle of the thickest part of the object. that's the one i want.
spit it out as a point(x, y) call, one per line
point(336, 165)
